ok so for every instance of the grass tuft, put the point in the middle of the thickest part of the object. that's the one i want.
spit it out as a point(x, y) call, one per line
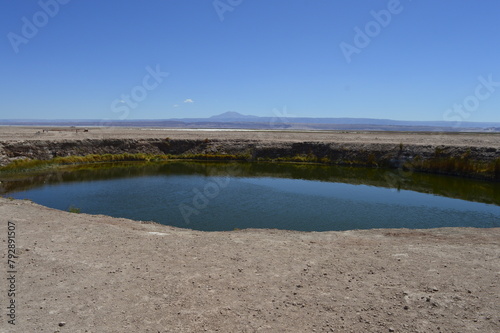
point(75, 210)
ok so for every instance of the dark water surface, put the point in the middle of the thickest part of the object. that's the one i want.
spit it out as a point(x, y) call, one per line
point(224, 196)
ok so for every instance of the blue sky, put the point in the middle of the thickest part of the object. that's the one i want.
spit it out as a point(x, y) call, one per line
point(406, 60)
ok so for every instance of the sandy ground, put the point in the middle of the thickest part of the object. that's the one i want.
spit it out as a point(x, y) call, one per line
point(419, 138)
point(85, 273)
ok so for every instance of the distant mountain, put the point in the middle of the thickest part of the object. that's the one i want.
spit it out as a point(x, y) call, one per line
point(231, 115)
point(235, 120)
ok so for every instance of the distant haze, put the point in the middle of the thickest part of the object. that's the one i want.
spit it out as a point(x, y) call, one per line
point(236, 120)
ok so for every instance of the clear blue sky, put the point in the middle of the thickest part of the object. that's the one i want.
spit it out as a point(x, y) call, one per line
point(253, 57)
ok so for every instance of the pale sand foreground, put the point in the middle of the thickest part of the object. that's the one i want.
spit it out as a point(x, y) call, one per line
point(101, 274)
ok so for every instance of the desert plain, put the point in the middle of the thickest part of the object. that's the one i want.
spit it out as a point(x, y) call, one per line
point(94, 273)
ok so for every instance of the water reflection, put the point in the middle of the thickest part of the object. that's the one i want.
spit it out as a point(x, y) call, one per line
point(397, 180)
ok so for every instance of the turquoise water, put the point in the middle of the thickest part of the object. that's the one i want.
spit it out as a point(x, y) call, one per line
point(227, 196)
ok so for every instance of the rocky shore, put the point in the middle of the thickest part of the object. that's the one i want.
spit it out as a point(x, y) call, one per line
point(446, 154)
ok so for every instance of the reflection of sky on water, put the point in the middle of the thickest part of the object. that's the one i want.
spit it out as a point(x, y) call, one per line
point(369, 194)
point(265, 203)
